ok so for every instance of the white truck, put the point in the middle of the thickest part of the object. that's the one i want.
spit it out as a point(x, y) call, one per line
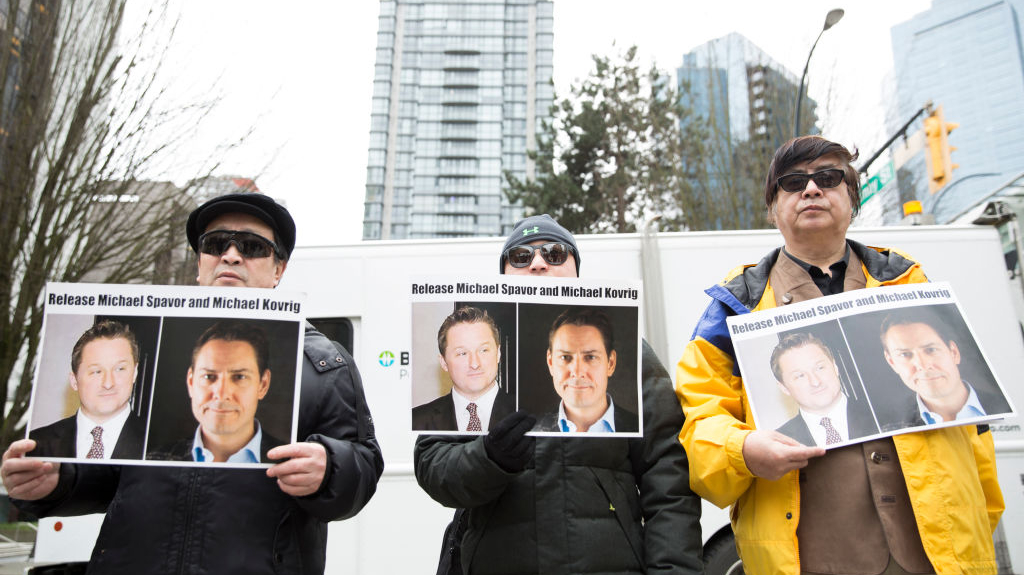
point(357, 295)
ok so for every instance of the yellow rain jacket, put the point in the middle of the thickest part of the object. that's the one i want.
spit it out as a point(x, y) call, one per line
point(950, 472)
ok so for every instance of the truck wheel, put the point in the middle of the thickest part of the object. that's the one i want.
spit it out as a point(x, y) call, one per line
point(721, 558)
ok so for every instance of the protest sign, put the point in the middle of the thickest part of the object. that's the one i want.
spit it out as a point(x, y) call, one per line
point(134, 374)
point(491, 343)
point(864, 364)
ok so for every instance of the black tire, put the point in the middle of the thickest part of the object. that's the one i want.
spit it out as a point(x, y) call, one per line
point(720, 556)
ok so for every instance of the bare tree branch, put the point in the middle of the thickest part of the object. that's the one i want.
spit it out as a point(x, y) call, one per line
point(89, 121)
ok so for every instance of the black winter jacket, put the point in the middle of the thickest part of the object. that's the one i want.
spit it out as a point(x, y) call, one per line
point(173, 520)
point(583, 505)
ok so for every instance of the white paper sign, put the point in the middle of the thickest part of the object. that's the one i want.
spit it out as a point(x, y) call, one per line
point(865, 364)
point(492, 341)
point(161, 370)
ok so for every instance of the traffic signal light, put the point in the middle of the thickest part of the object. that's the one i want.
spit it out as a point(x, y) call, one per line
point(940, 164)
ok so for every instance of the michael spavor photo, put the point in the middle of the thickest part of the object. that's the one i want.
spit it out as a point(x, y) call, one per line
point(860, 365)
point(565, 350)
point(166, 375)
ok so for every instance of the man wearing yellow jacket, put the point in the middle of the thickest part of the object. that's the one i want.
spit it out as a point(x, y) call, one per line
point(924, 502)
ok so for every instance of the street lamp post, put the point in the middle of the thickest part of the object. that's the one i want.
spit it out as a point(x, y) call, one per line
point(833, 16)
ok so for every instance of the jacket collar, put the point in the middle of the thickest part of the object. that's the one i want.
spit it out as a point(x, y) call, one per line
point(744, 287)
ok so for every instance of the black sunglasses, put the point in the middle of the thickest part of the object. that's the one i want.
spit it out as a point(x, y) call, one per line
point(555, 253)
point(250, 245)
point(798, 182)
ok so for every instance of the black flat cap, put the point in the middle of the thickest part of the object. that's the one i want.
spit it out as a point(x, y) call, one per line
point(254, 204)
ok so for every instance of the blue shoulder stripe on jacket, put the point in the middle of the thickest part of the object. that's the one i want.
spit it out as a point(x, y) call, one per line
point(712, 326)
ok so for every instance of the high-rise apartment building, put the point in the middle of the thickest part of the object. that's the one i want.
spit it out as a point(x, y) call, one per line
point(965, 55)
point(745, 103)
point(460, 88)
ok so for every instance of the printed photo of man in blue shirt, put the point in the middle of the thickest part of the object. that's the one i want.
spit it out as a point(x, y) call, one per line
point(922, 350)
point(228, 377)
point(581, 358)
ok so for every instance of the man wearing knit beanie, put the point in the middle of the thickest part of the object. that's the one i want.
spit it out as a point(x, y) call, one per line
point(567, 505)
point(538, 230)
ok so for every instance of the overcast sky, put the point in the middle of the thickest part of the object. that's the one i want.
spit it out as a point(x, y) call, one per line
point(301, 72)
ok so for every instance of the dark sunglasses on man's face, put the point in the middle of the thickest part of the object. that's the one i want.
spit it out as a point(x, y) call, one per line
point(249, 245)
point(555, 253)
point(798, 182)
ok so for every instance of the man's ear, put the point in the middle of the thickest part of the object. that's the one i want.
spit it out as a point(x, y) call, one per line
point(783, 388)
point(551, 363)
point(73, 381)
point(612, 358)
point(279, 267)
point(188, 381)
point(444, 364)
point(264, 384)
point(888, 359)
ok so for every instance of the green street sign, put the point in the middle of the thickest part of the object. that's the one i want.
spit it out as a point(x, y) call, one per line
point(879, 179)
point(885, 175)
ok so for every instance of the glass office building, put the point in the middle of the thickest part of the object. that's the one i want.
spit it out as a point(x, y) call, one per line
point(460, 89)
point(965, 55)
point(745, 102)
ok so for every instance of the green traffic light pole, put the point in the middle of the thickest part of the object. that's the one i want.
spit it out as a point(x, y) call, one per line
point(833, 16)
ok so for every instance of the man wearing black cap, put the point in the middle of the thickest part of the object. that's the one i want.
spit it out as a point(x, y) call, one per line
point(568, 505)
point(185, 520)
point(243, 240)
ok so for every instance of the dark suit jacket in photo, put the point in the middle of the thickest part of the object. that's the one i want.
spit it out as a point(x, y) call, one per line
point(439, 415)
point(625, 421)
point(859, 421)
point(988, 395)
point(59, 439)
point(182, 450)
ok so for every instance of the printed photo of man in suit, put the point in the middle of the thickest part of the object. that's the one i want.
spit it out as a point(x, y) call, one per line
point(923, 351)
point(806, 371)
point(581, 359)
point(468, 351)
point(104, 367)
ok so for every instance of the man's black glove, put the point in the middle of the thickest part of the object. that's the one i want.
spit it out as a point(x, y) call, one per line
point(507, 443)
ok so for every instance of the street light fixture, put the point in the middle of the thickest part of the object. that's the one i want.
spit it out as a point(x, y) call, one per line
point(833, 16)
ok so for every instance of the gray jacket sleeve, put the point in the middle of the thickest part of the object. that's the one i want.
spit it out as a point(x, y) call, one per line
point(672, 535)
point(333, 412)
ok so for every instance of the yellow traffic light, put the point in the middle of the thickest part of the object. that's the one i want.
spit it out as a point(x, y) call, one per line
point(939, 154)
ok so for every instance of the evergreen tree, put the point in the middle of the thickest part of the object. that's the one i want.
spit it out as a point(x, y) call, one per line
point(611, 156)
